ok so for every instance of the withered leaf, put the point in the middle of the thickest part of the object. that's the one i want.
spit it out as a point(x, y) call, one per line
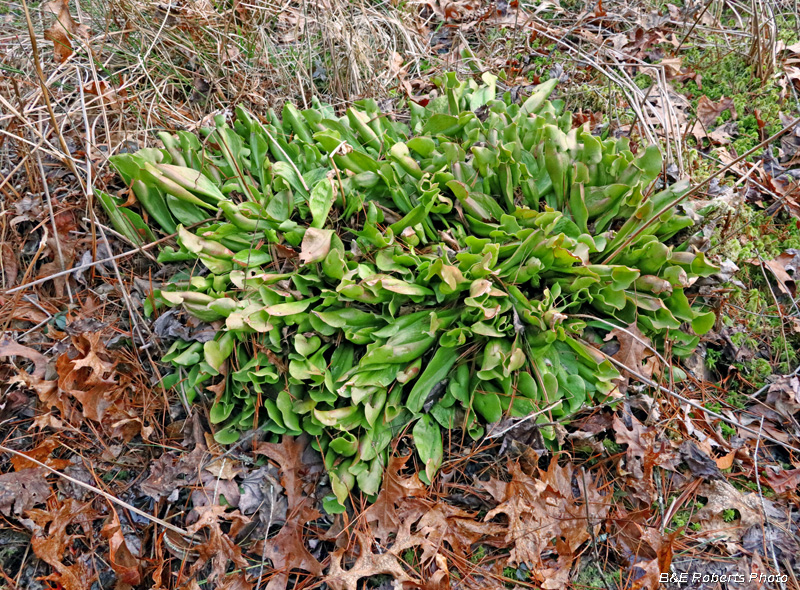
point(708, 110)
point(289, 457)
point(394, 489)
point(543, 513)
point(11, 348)
point(63, 29)
point(42, 454)
point(236, 581)
point(316, 245)
point(645, 451)
point(635, 350)
point(288, 551)
point(21, 490)
point(123, 561)
point(784, 395)
point(10, 267)
point(367, 564)
point(784, 267)
point(443, 523)
point(50, 546)
point(723, 496)
point(219, 549)
point(700, 464)
point(652, 568)
point(784, 480)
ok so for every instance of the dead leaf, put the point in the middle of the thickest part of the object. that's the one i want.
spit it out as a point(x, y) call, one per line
point(287, 550)
point(645, 451)
point(367, 564)
point(784, 480)
point(107, 93)
point(11, 348)
point(635, 351)
point(42, 454)
point(395, 488)
point(672, 66)
point(440, 524)
point(790, 142)
point(122, 559)
point(662, 547)
point(10, 267)
point(784, 396)
point(785, 267)
point(723, 496)
point(700, 464)
point(219, 549)
point(708, 110)
point(726, 461)
point(88, 375)
point(53, 540)
point(316, 245)
point(724, 134)
point(63, 29)
point(544, 515)
point(236, 581)
point(21, 490)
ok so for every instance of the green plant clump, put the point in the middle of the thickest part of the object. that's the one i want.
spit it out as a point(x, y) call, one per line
point(366, 274)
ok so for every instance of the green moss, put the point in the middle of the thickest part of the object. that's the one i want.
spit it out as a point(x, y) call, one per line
point(729, 515)
point(593, 577)
point(643, 81)
point(611, 446)
point(730, 76)
point(478, 555)
point(727, 431)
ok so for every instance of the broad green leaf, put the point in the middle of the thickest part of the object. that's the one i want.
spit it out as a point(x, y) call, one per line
point(320, 201)
point(428, 441)
point(435, 371)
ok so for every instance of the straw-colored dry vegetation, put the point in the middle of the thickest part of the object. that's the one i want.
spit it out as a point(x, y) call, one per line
point(113, 477)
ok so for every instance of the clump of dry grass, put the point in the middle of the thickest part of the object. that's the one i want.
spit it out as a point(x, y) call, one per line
point(129, 67)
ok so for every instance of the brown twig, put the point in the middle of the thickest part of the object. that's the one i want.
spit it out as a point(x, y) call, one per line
point(100, 492)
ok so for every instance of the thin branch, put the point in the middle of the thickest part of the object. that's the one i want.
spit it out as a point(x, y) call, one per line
point(100, 492)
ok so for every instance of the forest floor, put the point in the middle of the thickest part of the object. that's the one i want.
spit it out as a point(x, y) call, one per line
point(104, 473)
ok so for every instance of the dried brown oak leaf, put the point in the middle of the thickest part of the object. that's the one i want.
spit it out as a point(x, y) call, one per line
point(42, 454)
point(723, 496)
point(51, 544)
point(546, 517)
point(645, 451)
point(781, 267)
point(661, 545)
point(287, 550)
point(63, 29)
point(395, 488)
point(635, 351)
point(87, 373)
point(288, 455)
point(21, 490)
point(123, 561)
point(440, 524)
point(367, 564)
point(220, 548)
point(708, 110)
point(784, 396)
point(236, 581)
point(783, 481)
